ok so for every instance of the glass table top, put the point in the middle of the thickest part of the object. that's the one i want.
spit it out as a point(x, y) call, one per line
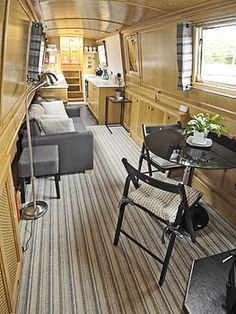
point(171, 145)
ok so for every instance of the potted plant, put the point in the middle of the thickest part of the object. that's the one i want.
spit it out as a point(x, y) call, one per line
point(201, 124)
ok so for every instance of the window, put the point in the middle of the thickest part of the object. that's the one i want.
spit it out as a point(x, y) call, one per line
point(216, 56)
point(132, 63)
point(102, 53)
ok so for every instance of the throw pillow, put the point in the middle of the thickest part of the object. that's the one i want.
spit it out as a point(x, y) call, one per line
point(48, 116)
point(36, 110)
point(55, 108)
point(59, 125)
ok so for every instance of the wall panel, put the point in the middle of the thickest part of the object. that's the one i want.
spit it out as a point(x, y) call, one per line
point(158, 51)
point(15, 57)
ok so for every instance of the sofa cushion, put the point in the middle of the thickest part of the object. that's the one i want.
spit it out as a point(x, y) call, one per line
point(36, 110)
point(55, 108)
point(78, 124)
point(59, 125)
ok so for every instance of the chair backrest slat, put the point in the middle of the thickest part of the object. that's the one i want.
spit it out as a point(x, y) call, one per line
point(147, 129)
point(135, 175)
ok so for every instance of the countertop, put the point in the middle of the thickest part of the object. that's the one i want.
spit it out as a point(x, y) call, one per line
point(61, 83)
point(99, 82)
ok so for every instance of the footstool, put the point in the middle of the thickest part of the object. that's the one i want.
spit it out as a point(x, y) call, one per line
point(46, 163)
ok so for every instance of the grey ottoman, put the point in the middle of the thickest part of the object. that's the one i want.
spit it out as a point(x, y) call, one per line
point(46, 163)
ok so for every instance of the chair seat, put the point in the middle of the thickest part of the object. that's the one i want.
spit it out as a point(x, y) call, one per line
point(162, 203)
point(164, 163)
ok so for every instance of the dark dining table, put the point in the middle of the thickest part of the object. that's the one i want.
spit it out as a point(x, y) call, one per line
point(171, 145)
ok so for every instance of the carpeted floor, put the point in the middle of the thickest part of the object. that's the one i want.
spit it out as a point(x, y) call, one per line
point(71, 265)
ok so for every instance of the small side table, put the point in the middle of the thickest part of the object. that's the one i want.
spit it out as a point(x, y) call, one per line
point(122, 104)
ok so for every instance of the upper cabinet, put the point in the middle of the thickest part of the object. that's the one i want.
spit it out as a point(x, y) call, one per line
point(71, 50)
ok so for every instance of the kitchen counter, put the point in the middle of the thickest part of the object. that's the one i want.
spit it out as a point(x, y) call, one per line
point(97, 91)
point(56, 91)
point(99, 82)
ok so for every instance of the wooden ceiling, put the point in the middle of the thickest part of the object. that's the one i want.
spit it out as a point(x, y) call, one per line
point(98, 18)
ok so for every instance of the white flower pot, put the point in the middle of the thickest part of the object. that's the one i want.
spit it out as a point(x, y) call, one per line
point(199, 137)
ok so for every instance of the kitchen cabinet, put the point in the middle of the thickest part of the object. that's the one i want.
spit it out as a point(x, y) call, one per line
point(98, 90)
point(89, 62)
point(127, 114)
point(149, 115)
point(93, 103)
point(71, 50)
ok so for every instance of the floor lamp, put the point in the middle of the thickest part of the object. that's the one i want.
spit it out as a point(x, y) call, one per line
point(35, 209)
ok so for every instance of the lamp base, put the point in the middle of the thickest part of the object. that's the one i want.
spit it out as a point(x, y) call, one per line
point(30, 212)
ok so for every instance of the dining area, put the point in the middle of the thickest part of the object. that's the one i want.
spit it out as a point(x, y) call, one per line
point(175, 203)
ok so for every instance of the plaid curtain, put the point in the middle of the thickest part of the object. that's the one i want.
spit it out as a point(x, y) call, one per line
point(184, 55)
point(35, 52)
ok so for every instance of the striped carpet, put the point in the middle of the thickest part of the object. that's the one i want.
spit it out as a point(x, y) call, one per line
point(71, 265)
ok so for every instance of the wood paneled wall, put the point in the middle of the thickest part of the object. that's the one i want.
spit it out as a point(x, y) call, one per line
point(158, 64)
point(158, 70)
point(14, 34)
point(15, 24)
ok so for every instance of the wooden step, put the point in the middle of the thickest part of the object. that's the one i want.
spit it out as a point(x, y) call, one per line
point(75, 94)
point(74, 87)
point(75, 99)
point(72, 74)
point(72, 81)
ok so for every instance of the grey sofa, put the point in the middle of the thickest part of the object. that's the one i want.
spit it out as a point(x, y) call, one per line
point(75, 148)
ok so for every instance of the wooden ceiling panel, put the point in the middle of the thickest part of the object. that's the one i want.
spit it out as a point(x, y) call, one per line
point(118, 12)
point(76, 32)
point(102, 26)
point(97, 18)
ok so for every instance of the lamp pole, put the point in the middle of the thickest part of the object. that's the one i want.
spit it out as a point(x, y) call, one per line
point(34, 209)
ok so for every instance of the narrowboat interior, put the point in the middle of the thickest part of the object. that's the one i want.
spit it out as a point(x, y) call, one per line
point(118, 156)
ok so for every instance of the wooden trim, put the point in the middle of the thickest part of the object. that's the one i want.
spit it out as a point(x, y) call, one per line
point(27, 7)
point(85, 18)
point(3, 52)
point(216, 89)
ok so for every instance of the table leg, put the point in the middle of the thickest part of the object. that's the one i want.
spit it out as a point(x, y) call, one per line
point(106, 111)
point(188, 175)
point(122, 112)
point(106, 114)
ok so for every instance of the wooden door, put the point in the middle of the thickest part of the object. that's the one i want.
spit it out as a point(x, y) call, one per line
point(149, 115)
point(134, 117)
point(127, 115)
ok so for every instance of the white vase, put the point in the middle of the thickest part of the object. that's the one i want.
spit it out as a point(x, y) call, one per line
point(199, 137)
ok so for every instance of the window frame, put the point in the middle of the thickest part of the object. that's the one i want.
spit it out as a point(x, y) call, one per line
point(214, 87)
point(133, 36)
